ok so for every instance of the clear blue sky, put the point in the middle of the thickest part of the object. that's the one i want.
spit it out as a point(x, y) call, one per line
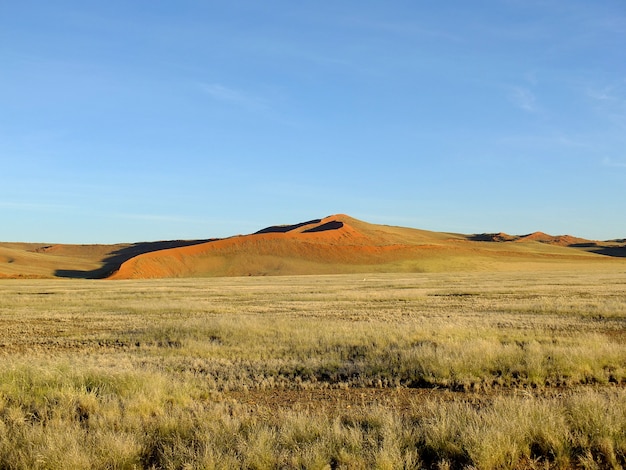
point(139, 120)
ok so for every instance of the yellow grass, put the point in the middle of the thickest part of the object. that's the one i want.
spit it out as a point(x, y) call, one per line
point(483, 370)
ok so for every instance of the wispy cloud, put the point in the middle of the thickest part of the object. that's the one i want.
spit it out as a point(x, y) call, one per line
point(610, 101)
point(600, 94)
point(222, 93)
point(613, 163)
point(524, 99)
point(565, 140)
point(168, 218)
point(407, 29)
point(614, 93)
point(34, 206)
point(531, 77)
point(233, 96)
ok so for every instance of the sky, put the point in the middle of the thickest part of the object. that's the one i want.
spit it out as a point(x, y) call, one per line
point(125, 121)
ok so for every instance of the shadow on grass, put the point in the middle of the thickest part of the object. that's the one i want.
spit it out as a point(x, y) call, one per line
point(114, 260)
point(609, 248)
point(618, 251)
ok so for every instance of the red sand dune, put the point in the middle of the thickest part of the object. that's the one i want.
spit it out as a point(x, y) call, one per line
point(329, 241)
point(334, 244)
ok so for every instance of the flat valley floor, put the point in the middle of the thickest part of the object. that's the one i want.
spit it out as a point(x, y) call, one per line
point(451, 370)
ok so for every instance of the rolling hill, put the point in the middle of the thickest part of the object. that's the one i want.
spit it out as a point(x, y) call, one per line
point(335, 244)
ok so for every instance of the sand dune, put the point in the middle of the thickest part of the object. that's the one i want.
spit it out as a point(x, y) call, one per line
point(340, 244)
point(560, 240)
point(32, 260)
point(334, 244)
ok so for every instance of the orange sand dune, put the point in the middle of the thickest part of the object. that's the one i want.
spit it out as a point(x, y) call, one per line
point(337, 244)
point(560, 240)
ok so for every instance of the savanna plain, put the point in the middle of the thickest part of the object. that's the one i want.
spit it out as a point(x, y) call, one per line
point(514, 370)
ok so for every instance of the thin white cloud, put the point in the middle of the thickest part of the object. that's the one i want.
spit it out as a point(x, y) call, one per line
point(407, 29)
point(524, 99)
point(610, 101)
point(222, 93)
point(613, 164)
point(600, 94)
point(230, 95)
point(531, 77)
point(34, 206)
point(157, 218)
point(567, 141)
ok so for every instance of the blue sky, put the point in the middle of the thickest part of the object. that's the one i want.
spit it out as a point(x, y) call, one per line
point(138, 120)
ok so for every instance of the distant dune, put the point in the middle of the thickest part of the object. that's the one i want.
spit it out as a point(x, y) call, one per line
point(334, 244)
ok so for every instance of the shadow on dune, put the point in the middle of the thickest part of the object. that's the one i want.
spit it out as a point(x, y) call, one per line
point(491, 237)
point(111, 263)
point(332, 225)
point(286, 228)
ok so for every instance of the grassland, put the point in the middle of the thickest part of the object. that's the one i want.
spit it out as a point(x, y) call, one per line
point(463, 370)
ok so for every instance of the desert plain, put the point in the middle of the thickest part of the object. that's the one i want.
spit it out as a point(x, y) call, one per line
point(328, 344)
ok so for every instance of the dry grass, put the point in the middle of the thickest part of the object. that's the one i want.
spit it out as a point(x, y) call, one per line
point(486, 370)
